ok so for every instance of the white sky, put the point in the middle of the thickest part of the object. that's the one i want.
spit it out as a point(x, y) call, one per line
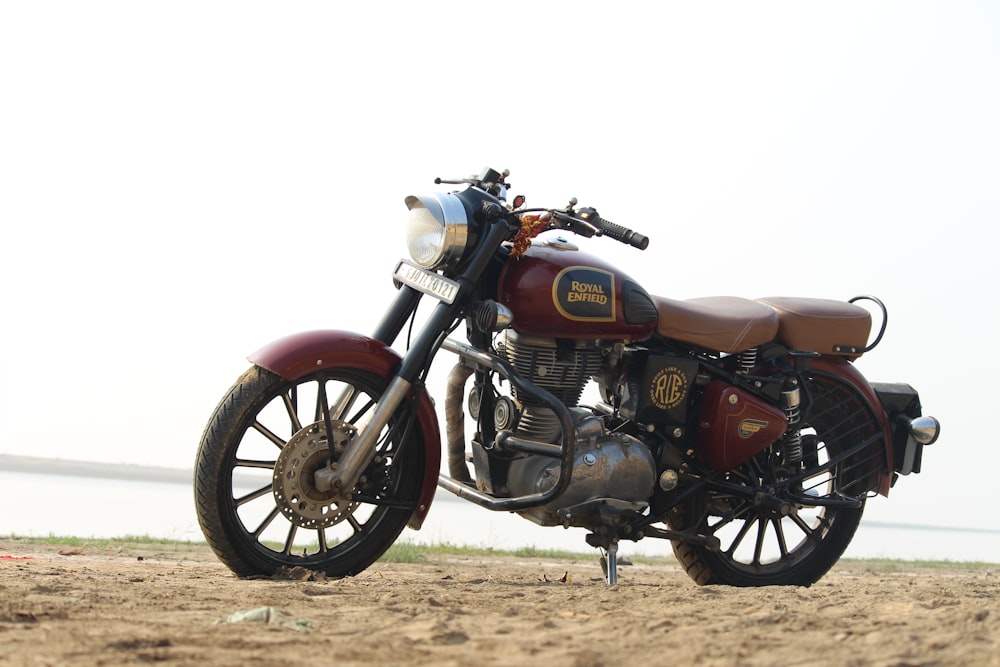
point(181, 183)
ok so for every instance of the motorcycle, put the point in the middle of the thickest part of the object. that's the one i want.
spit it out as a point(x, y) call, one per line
point(739, 430)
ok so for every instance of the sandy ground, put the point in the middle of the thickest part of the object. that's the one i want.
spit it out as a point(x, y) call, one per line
point(177, 605)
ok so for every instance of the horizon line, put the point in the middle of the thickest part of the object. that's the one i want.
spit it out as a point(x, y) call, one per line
point(135, 472)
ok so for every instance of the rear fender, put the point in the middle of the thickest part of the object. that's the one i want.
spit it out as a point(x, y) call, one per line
point(847, 372)
point(297, 355)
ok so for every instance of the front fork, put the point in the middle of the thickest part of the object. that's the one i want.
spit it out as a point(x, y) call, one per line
point(342, 475)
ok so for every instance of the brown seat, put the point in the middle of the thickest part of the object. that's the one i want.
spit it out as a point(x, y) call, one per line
point(722, 323)
point(821, 325)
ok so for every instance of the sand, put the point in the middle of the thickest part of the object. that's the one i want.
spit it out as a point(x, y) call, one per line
point(177, 605)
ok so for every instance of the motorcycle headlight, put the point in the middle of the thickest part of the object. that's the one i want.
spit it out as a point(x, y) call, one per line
point(437, 229)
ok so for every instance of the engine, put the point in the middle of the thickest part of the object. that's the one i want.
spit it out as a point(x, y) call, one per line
point(609, 469)
point(614, 470)
point(561, 367)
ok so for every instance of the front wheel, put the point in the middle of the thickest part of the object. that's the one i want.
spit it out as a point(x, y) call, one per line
point(254, 492)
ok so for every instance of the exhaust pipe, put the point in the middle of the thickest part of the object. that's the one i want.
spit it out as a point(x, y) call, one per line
point(924, 430)
point(455, 423)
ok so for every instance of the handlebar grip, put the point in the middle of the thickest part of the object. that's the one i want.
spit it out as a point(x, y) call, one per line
point(619, 233)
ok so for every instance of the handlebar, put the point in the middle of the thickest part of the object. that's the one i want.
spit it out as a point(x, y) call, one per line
point(617, 232)
point(587, 222)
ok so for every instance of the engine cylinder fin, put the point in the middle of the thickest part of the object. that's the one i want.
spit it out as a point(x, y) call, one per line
point(560, 367)
point(538, 423)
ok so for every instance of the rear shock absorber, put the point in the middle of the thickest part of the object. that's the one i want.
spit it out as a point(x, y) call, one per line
point(792, 441)
point(791, 398)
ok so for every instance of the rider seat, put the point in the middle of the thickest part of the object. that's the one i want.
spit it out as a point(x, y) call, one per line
point(727, 324)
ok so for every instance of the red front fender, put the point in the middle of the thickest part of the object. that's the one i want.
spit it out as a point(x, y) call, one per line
point(847, 372)
point(297, 355)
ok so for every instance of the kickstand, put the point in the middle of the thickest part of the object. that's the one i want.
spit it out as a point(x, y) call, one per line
point(609, 563)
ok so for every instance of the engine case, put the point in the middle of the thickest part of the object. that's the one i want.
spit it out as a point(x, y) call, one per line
point(605, 466)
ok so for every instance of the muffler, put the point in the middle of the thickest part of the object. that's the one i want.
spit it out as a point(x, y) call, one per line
point(924, 430)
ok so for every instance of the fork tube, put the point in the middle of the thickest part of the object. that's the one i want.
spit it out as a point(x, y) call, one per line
point(395, 317)
point(344, 474)
point(419, 356)
point(387, 331)
point(360, 450)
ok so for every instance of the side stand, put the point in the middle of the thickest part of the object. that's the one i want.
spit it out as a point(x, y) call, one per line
point(611, 576)
point(609, 563)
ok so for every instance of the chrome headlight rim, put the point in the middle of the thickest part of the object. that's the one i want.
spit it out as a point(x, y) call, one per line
point(437, 248)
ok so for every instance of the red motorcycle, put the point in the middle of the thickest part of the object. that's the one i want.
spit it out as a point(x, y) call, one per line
point(737, 429)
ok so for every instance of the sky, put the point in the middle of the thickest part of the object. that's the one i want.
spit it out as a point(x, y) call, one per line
point(181, 183)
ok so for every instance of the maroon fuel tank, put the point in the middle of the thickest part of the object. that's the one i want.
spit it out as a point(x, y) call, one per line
point(564, 293)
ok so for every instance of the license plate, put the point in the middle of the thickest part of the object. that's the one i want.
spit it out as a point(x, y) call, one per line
point(427, 282)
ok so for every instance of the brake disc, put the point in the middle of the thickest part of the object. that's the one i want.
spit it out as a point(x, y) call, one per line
point(295, 491)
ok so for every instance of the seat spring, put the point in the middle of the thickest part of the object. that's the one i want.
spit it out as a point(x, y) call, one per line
point(748, 359)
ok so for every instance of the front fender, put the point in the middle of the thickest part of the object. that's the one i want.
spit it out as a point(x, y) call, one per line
point(295, 356)
point(849, 373)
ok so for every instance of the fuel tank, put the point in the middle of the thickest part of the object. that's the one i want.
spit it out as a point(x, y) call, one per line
point(560, 292)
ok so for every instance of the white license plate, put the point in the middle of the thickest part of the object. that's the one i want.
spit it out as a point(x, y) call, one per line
point(427, 282)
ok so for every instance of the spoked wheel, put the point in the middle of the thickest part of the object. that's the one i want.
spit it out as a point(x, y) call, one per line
point(257, 502)
point(771, 541)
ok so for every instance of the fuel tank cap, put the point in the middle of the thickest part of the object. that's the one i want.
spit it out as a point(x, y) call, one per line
point(560, 243)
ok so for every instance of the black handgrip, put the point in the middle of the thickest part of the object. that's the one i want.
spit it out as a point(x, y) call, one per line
point(618, 233)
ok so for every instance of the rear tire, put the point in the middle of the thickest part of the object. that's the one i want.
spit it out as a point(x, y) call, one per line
point(806, 563)
point(253, 478)
point(762, 548)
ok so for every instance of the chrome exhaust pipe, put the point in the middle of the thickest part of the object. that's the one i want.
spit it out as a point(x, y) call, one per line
point(924, 430)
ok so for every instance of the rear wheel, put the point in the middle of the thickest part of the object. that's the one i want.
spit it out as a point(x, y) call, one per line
point(256, 501)
point(769, 543)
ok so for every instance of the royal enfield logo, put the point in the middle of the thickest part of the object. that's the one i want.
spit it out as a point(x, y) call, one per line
point(668, 388)
point(585, 294)
point(589, 292)
point(748, 427)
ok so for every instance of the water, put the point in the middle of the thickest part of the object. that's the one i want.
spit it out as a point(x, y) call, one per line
point(40, 505)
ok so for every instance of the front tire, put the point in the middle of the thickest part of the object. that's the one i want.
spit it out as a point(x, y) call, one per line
point(254, 495)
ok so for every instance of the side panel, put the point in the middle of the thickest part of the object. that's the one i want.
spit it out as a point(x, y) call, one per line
point(847, 371)
point(733, 425)
point(297, 355)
